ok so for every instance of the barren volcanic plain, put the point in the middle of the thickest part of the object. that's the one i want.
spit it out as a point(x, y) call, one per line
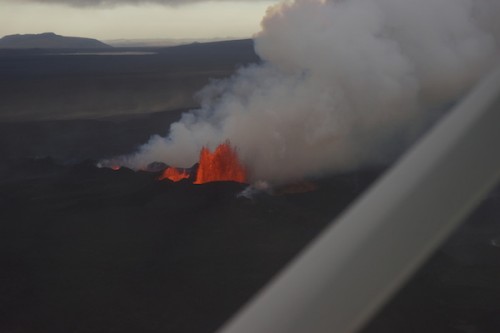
point(88, 249)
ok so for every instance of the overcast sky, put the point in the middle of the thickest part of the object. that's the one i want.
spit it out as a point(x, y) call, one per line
point(115, 19)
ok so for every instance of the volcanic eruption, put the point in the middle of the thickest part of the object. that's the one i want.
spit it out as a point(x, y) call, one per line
point(222, 164)
point(174, 174)
point(342, 85)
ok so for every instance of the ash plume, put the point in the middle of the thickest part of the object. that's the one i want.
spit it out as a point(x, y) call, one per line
point(342, 84)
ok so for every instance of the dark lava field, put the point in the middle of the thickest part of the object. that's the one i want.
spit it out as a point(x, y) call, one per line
point(87, 249)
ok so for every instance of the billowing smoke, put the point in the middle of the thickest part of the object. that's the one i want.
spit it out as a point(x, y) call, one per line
point(343, 84)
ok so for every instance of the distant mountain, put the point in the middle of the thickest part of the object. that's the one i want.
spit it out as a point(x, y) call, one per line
point(163, 42)
point(49, 40)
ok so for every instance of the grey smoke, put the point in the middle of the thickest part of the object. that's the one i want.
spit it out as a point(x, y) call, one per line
point(343, 84)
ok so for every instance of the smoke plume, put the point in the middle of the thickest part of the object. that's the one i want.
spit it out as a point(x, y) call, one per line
point(342, 84)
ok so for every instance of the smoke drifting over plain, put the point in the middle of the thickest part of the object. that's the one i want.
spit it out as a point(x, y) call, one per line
point(342, 84)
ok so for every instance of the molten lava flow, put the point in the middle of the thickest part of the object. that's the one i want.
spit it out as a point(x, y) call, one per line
point(115, 167)
point(221, 165)
point(174, 174)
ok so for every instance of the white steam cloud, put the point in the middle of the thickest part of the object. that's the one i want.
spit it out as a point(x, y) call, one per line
point(342, 84)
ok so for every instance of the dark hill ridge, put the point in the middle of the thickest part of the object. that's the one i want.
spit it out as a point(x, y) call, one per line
point(49, 40)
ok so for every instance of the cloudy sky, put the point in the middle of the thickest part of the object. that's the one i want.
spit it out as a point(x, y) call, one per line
point(115, 19)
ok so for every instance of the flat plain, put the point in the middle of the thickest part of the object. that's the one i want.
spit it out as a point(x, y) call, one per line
point(88, 249)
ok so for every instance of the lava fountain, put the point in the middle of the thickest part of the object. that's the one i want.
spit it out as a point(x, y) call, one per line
point(174, 174)
point(223, 164)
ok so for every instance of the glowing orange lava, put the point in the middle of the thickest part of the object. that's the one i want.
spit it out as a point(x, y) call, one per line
point(115, 167)
point(174, 174)
point(221, 165)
